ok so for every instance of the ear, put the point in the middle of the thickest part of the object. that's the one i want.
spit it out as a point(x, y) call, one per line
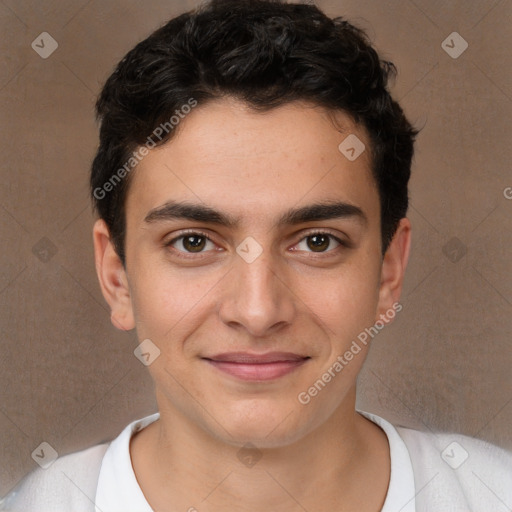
point(112, 277)
point(393, 268)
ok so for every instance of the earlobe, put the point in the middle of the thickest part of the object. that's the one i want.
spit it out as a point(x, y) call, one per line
point(112, 278)
point(393, 267)
point(116, 323)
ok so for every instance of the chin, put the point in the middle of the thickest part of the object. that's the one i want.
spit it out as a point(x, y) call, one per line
point(264, 426)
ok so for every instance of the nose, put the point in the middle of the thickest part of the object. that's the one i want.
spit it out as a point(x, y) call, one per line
point(257, 299)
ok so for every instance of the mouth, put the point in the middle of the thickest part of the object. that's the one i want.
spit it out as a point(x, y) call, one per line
point(257, 367)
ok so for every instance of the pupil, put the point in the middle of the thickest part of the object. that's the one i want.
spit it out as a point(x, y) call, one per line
point(194, 243)
point(316, 242)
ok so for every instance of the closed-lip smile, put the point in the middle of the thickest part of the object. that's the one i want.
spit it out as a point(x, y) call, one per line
point(259, 367)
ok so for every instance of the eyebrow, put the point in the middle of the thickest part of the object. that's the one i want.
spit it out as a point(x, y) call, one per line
point(172, 210)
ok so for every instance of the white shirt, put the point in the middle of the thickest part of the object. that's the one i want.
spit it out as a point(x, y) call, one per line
point(429, 472)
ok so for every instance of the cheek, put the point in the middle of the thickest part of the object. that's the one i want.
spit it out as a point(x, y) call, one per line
point(165, 301)
point(345, 300)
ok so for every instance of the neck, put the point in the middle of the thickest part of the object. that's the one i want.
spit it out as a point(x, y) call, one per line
point(180, 466)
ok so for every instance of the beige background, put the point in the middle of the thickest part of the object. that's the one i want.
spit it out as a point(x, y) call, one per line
point(69, 378)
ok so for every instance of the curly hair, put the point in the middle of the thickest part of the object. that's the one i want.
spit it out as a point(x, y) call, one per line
point(265, 53)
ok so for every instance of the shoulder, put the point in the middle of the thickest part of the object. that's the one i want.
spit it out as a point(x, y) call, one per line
point(454, 468)
point(68, 484)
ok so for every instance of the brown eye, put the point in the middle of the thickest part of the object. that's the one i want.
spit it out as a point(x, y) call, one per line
point(194, 243)
point(191, 243)
point(319, 242)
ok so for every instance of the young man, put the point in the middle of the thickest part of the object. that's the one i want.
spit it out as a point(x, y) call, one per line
point(251, 184)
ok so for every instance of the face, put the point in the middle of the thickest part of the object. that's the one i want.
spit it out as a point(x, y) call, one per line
point(253, 261)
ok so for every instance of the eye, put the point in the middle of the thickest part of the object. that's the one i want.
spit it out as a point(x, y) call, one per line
point(319, 242)
point(191, 243)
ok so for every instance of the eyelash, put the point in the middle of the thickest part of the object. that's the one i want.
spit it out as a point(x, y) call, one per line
point(183, 254)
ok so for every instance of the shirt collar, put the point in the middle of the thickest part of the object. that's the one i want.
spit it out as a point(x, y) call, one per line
point(401, 494)
point(119, 491)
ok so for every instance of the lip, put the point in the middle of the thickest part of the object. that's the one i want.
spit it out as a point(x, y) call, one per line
point(258, 367)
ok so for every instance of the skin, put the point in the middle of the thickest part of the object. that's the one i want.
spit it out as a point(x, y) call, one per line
point(293, 298)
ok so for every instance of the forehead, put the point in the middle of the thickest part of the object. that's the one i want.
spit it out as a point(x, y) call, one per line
point(232, 158)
